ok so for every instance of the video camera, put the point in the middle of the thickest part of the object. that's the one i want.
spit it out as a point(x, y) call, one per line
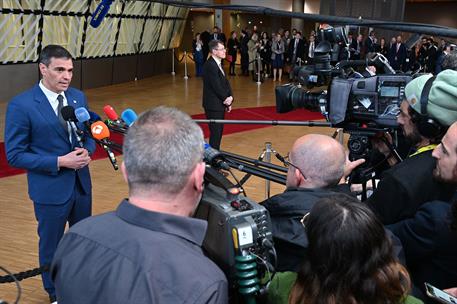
point(362, 105)
point(239, 238)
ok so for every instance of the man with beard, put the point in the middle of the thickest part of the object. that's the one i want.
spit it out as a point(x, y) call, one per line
point(429, 242)
point(423, 119)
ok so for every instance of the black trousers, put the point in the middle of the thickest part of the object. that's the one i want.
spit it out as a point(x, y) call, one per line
point(215, 130)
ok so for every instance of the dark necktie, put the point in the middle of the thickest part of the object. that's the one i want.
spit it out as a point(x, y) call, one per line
point(59, 114)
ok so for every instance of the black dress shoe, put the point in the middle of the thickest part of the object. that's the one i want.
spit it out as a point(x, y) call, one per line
point(52, 299)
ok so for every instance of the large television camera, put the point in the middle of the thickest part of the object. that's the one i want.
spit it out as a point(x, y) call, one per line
point(369, 103)
point(239, 238)
point(349, 95)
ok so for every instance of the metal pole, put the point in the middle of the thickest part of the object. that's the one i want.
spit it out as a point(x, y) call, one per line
point(173, 62)
point(267, 159)
point(340, 135)
point(185, 65)
point(259, 65)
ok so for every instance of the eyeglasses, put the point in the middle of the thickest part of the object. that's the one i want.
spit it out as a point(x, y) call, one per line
point(287, 164)
point(304, 220)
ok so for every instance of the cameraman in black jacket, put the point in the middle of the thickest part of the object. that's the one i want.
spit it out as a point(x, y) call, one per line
point(407, 185)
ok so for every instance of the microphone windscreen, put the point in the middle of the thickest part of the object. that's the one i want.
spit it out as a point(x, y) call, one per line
point(68, 113)
point(99, 130)
point(82, 114)
point(110, 112)
point(129, 116)
point(100, 13)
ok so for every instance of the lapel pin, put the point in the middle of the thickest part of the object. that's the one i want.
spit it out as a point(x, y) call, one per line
point(74, 101)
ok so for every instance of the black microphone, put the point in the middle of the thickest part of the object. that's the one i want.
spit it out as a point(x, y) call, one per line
point(214, 158)
point(68, 114)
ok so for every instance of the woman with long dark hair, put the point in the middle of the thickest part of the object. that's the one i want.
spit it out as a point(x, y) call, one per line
point(383, 48)
point(349, 259)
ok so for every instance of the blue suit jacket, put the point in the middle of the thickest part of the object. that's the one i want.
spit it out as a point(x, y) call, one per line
point(34, 139)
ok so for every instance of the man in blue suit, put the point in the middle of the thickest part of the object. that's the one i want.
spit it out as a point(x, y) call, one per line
point(39, 140)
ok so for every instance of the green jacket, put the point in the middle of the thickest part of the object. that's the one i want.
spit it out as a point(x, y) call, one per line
point(281, 285)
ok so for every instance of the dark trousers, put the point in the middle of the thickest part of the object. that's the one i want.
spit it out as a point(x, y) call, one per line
point(51, 226)
point(215, 130)
point(244, 62)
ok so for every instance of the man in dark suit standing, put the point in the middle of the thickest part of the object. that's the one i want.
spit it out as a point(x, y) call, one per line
point(297, 49)
point(398, 55)
point(217, 93)
point(356, 48)
point(370, 43)
point(38, 139)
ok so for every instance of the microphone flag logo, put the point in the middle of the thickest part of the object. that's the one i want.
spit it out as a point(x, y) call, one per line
point(97, 129)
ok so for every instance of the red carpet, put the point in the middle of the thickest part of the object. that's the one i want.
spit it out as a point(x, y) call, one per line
point(259, 113)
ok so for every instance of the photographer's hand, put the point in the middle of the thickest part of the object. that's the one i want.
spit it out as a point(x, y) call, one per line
point(381, 145)
point(349, 167)
point(452, 291)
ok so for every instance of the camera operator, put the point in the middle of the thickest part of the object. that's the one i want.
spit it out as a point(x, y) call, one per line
point(149, 249)
point(316, 165)
point(409, 184)
point(429, 242)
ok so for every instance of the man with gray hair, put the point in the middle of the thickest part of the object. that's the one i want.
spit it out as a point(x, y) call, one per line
point(316, 165)
point(149, 249)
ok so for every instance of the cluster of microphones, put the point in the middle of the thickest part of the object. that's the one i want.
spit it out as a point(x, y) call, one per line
point(97, 129)
point(100, 131)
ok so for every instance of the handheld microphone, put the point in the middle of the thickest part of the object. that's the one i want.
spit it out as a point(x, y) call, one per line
point(214, 158)
point(114, 122)
point(68, 114)
point(100, 13)
point(111, 113)
point(129, 116)
point(101, 133)
point(83, 116)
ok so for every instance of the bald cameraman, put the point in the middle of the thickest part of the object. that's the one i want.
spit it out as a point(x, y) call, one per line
point(409, 184)
point(149, 249)
point(316, 165)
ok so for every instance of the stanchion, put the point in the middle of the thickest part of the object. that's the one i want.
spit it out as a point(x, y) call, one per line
point(267, 159)
point(259, 65)
point(173, 62)
point(185, 65)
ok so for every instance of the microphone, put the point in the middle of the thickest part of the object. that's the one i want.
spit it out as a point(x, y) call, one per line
point(68, 114)
point(111, 113)
point(101, 133)
point(129, 116)
point(100, 13)
point(214, 158)
point(83, 116)
point(114, 122)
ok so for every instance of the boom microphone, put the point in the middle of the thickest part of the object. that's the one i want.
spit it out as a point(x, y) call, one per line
point(129, 116)
point(68, 114)
point(100, 13)
point(101, 133)
point(214, 158)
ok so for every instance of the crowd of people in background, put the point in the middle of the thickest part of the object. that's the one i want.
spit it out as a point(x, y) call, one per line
point(281, 50)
